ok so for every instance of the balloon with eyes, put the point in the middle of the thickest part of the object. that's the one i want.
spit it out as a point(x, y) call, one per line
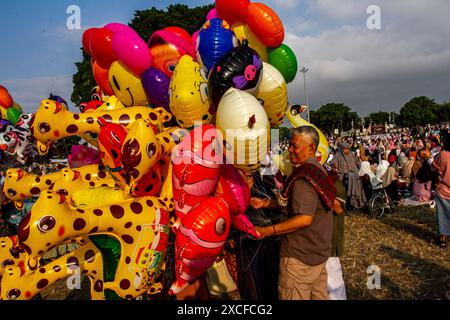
point(19, 141)
point(240, 68)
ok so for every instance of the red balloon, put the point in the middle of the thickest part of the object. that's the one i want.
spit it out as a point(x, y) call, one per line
point(87, 39)
point(6, 101)
point(199, 240)
point(181, 32)
point(101, 47)
point(101, 78)
point(232, 10)
point(196, 168)
point(265, 24)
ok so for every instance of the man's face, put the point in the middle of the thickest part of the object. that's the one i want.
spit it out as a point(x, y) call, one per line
point(346, 151)
point(300, 148)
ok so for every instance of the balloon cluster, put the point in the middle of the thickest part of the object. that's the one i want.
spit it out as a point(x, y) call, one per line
point(177, 120)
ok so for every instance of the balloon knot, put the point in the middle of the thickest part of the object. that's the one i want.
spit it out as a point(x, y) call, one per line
point(251, 121)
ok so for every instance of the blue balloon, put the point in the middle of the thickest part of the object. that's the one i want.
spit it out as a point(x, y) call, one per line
point(215, 39)
point(156, 85)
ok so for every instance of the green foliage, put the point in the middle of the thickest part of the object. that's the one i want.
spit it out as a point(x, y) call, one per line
point(83, 80)
point(380, 117)
point(146, 22)
point(334, 116)
point(419, 111)
point(61, 148)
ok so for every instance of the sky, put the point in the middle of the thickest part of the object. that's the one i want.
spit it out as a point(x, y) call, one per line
point(368, 70)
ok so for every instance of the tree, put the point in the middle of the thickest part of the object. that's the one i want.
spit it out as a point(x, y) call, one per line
point(333, 116)
point(442, 112)
point(419, 111)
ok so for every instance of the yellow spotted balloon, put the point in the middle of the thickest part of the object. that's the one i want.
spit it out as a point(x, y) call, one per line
point(189, 99)
point(245, 129)
point(273, 94)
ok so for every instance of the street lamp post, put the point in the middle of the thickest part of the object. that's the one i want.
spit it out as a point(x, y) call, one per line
point(304, 70)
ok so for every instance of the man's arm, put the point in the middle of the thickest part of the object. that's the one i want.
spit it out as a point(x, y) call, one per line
point(287, 226)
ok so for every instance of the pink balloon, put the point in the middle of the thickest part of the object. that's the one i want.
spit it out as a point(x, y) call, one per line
point(116, 27)
point(132, 51)
point(212, 14)
point(194, 38)
point(235, 190)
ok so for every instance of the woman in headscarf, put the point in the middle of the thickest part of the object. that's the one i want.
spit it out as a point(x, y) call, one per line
point(422, 182)
point(389, 178)
point(345, 161)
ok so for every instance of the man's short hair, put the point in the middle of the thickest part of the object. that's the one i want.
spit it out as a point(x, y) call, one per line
point(308, 130)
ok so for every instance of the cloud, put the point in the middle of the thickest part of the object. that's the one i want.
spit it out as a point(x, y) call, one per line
point(286, 4)
point(30, 92)
point(373, 70)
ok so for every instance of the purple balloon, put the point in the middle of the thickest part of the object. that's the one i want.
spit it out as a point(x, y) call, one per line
point(156, 85)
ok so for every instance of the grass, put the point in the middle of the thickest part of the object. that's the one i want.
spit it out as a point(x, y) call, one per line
point(402, 246)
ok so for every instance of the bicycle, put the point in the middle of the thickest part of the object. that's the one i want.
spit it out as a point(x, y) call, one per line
point(380, 203)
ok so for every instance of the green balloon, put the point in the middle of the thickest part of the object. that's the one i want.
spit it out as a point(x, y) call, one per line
point(284, 59)
point(13, 115)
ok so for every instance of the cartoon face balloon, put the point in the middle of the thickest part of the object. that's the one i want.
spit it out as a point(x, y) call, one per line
point(245, 128)
point(189, 100)
point(272, 94)
point(127, 87)
point(167, 47)
point(241, 68)
point(214, 40)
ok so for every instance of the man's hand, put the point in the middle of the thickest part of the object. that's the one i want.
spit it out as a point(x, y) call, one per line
point(258, 203)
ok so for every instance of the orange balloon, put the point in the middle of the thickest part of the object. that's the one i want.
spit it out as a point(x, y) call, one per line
point(265, 24)
point(6, 101)
point(101, 77)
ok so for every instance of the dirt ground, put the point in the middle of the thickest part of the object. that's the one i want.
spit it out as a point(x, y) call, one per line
point(401, 244)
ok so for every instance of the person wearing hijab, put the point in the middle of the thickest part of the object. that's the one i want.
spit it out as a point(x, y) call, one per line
point(389, 178)
point(422, 181)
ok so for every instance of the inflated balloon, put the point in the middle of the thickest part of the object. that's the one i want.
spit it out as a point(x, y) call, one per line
point(241, 68)
point(111, 103)
point(284, 59)
point(156, 85)
point(140, 151)
point(197, 163)
point(200, 238)
point(142, 247)
point(20, 185)
point(127, 87)
point(189, 100)
point(233, 189)
point(167, 48)
point(13, 115)
point(101, 77)
point(273, 95)
point(17, 107)
point(232, 10)
point(53, 121)
point(245, 128)
point(243, 32)
point(212, 14)
point(265, 24)
point(22, 282)
point(87, 40)
point(214, 40)
point(179, 31)
point(96, 197)
point(294, 117)
point(116, 27)
point(6, 101)
point(100, 44)
point(110, 141)
point(132, 51)
point(71, 181)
